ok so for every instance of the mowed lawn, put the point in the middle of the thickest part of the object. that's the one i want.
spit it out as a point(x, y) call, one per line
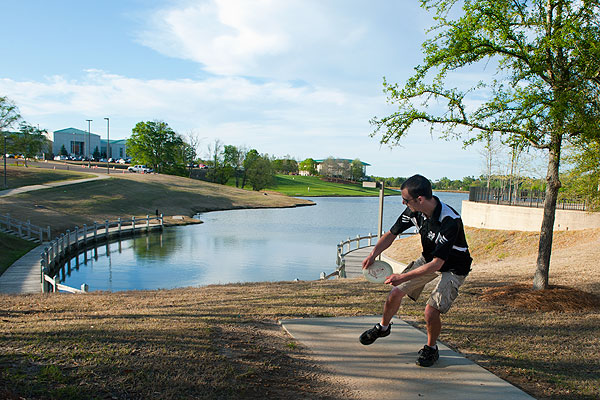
point(11, 249)
point(312, 186)
point(18, 176)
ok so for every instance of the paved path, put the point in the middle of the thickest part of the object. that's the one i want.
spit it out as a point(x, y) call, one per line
point(387, 370)
point(23, 189)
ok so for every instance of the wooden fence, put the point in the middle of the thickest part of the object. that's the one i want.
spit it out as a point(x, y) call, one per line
point(25, 230)
point(72, 241)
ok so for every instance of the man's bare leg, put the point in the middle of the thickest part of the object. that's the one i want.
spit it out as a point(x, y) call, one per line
point(391, 306)
point(434, 325)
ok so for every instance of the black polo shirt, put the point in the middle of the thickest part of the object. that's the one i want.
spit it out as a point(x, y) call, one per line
point(442, 236)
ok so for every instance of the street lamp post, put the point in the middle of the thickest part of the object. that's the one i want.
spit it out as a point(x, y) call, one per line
point(88, 149)
point(107, 144)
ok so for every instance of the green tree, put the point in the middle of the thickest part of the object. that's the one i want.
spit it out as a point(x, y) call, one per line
point(260, 173)
point(582, 181)
point(232, 158)
point(96, 153)
point(546, 90)
point(29, 141)
point(285, 165)
point(219, 172)
point(9, 114)
point(467, 182)
point(155, 144)
point(357, 170)
point(63, 151)
point(308, 165)
point(251, 157)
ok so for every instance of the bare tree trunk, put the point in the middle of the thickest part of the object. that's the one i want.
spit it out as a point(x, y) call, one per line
point(540, 279)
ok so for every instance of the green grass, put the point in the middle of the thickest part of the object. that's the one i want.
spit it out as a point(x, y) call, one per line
point(11, 249)
point(25, 176)
point(312, 186)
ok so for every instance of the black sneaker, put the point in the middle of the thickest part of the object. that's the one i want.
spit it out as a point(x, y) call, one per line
point(428, 356)
point(370, 335)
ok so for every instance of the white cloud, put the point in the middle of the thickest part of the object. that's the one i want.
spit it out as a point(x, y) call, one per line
point(217, 104)
point(282, 40)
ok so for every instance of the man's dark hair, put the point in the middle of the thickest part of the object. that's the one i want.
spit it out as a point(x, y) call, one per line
point(418, 185)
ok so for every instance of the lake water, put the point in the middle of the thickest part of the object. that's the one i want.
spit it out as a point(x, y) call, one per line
point(238, 246)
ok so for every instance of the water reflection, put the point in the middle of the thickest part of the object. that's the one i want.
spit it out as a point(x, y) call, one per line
point(236, 246)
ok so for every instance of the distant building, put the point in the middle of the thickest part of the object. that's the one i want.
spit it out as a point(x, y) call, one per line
point(341, 162)
point(82, 143)
point(118, 148)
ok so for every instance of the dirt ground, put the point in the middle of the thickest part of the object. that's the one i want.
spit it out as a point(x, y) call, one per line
point(509, 257)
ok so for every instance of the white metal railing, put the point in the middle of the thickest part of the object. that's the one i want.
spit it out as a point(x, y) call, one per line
point(340, 262)
point(22, 229)
point(340, 270)
point(62, 245)
point(348, 244)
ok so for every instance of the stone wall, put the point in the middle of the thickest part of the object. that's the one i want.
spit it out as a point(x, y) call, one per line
point(493, 216)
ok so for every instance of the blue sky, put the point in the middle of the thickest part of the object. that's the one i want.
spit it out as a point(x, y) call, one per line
point(286, 77)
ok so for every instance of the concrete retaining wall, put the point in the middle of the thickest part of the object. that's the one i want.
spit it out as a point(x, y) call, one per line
point(493, 216)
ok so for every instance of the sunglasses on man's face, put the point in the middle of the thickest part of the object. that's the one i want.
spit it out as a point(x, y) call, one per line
point(406, 201)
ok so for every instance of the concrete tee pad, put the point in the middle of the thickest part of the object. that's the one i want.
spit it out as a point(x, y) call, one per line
point(386, 369)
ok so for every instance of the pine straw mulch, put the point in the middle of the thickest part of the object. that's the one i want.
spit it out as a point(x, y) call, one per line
point(555, 298)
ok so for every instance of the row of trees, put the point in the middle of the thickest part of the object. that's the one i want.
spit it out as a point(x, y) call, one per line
point(245, 166)
point(495, 182)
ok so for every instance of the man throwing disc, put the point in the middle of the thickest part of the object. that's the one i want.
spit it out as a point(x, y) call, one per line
point(445, 255)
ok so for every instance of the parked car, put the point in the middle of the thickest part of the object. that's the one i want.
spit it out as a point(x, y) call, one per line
point(121, 161)
point(61, 158)
point(140, 168)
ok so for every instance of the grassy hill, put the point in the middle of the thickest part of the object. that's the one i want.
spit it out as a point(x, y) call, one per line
point(312, 186)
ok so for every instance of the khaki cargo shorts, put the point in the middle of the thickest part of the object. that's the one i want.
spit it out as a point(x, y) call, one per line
point(442, 296)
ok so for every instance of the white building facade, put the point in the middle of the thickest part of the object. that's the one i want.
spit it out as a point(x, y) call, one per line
point(81, 143)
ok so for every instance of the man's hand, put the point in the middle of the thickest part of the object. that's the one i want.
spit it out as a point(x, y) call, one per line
point(367, 262)
point(395, 279)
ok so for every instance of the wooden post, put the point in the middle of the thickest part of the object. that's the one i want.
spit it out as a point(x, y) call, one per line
point(147, 222)
point(95, 231)
point(48, 232)
point(84, 287)
point(84, 233)
point(28, 228)
point(42, 267)
point(68, 240)
point(133, 225)
point(119, 226)
point(380, 225)
point(106, 226)
point(77, 237)
point(161, 220)
point(357, 241)
point(370, 238)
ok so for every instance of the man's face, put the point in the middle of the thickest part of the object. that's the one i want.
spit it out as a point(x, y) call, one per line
point(411, 202)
